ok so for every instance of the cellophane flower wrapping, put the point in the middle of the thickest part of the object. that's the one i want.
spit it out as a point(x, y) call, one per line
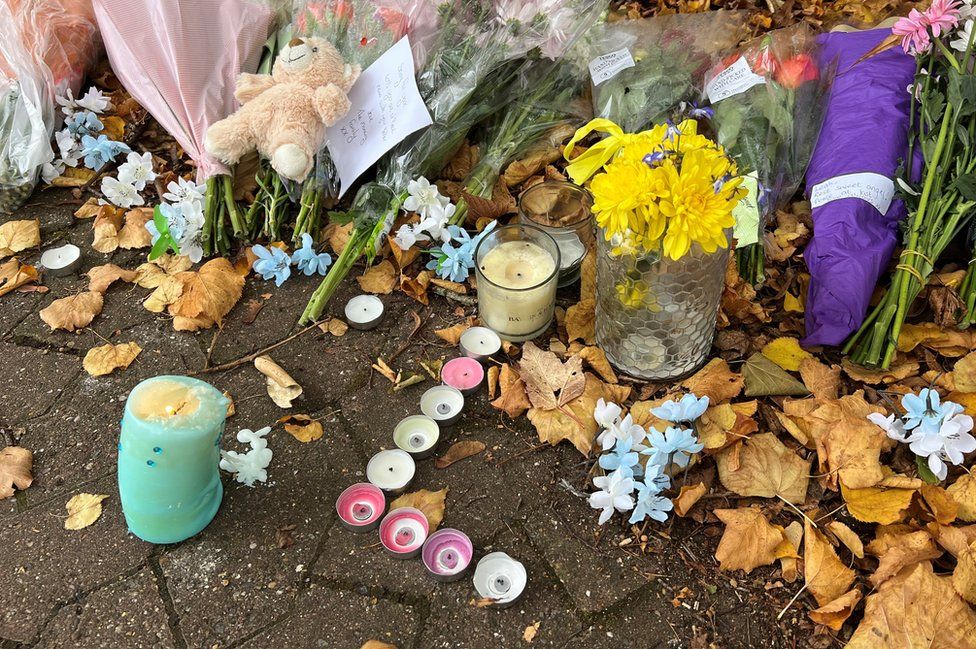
point(670, 56)
point(769, 123)
point(865, 130)
point(45, 48)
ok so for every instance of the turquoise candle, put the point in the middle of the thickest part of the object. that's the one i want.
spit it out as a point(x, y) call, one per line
point(169, 451)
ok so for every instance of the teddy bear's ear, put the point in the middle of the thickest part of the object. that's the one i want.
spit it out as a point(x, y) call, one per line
point(350, 73)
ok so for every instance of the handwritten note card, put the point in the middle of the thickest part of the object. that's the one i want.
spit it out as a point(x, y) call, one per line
point(386, 108)
point(873, 188)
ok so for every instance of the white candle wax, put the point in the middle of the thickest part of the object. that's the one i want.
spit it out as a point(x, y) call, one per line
point(443, 404)
point(364, 311)
point(391, 470)
point(480, 343)
point(62, 260)
point(417, 435)
point(517, 301)
point(571, 249)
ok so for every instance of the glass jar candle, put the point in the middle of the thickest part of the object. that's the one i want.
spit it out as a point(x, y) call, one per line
point(564, 210)
point(517, 270)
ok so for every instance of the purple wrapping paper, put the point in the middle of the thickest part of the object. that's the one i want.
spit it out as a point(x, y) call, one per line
point(865, 130)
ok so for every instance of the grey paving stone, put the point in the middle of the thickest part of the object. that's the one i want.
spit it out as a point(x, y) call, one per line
point(32, 380)
point(128, 613)
point(45, 565)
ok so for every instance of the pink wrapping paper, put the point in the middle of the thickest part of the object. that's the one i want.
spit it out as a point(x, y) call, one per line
point(180, 59)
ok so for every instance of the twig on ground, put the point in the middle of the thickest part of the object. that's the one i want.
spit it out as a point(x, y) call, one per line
point(243, 360)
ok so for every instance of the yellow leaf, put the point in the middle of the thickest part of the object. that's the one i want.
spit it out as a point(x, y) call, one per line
point(152, 274)
point(848, 537)
point(963, 491)
point(715, 381)
point(964, 576)
point(948, 341)
point(581, 321)
point(101, 277)
point(939, 503)
point(208, 295)
point(380, 279)
point(687, 497)
point(113, 127)
point(826, 577)
point(105, 359)
point(302, 427)
point(901, 368)
point(83, 510)
point(431, 503)
point(452, 335)
point(512, 399)
point(596, 358)
point(834, 613)
point(574, 421)
point(14, 274)
point(896, 550)
point(792, 304)
point(16, 464)
point(879, 504)
point(73, 312)
point(822, 381)
point(848, 445)
point(19, 235)
point(766, 469)
point(168, 291)
point(749, 540)
point(794, 534)
point(964, 373)
point(73, 177)
point(786, 352)
point(915, 608)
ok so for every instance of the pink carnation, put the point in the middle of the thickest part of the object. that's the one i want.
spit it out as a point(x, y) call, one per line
point(914, 30)
point(942, 15)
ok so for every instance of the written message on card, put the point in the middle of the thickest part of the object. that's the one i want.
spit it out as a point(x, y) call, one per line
point(386, 108)
point(873, 188)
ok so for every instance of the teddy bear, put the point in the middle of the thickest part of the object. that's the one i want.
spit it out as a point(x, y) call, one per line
point(284, 114)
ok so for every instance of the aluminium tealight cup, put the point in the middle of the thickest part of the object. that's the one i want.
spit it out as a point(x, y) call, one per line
point(442, 403)
point(417, 435)
point(403, 532)
point(447, 554)
point(361, 506)
point(500, 578)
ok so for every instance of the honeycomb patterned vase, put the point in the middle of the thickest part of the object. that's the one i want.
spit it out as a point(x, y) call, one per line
point(655, 317)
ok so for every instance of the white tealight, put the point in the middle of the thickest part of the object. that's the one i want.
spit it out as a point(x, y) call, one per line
point(501, 578)
point(443, 404)
point(480, 343)
point(391, 470)
point(364, 312)
point(63, 260)
point(571, 249)
point(417, 435)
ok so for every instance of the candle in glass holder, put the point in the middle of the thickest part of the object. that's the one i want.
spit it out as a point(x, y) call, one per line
point(501, 578)
point(169, 453)
point(464, 374)
point(443, 404)
point(361, 506)
point(517, 272)
point(564, 210)
point(404, 531)
point(447, 554)
point(391, 470)
point(364, 312)
point(480, 343)
point(417, 435)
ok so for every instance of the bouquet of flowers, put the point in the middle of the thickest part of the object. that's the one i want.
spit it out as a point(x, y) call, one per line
point(45, 48)
point(943, 121)
point(184, 75)
point(644, 70)
point(768, 101)
point(474, 55)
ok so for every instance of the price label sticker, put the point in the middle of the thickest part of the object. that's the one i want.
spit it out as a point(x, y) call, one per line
point(733, 80)
point(607, 66)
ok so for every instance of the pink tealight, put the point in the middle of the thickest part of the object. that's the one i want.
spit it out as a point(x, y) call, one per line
point(447, 554)
point(465, 374)
point(361, 506)
point(404, 531)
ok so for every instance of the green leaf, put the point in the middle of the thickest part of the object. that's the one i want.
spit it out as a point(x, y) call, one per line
point(924, 472)
point(962, 93)
point(966, 186)
point(161, 245)
point(341, 218)
point(764, 378)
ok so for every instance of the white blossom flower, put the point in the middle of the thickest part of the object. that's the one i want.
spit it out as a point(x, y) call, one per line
point(52, 170)
point(184, 190)
point(137, 170)
point(963, 36)
point(68, 147)
point(892, 425)
point(615, 494)
point(251, 466)
point(94, 100)
point(67, 102)
point(606, 414)
point(423, 198)
point(625, 429)
point(405, 237)
point(121, 194)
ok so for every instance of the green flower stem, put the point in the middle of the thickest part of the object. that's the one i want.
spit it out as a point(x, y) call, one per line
point(320, 298)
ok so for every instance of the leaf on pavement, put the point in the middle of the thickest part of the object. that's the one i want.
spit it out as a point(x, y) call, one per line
point(786, 352)
point(101, 277)
point(208, 295)
point(302, 427)
point(827, 578)
point(574, 421)
point(281, 387)
point(512, 398)
point(152, 273)
point(749, 540)
point(833, 614)
point(687, 497)
point(715, 381)
point(766, 468)
point(73, 312)
point(764, 378)
point(380, 279)
point(16, 464)
point(431, 503)
point(16, 236)
point(459, 451)
point(107, 358)
point(14, 274)
point(549, 382)
point(83, 510)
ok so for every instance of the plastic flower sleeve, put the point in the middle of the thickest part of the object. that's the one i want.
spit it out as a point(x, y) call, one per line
point(45, 48)
point(642, 70)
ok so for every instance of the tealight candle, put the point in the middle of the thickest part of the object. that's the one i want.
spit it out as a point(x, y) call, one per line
point(501, 578)
point(169, 453)
point(417, 435)
point(391, 470)
point(564, 210)
point(63, 260)
point(361, 506)
point(447, 554)
point(443, 404)
point(364, 312)
point(480, 343)
point(404, 531)
point(517, 271)
point(464, 374)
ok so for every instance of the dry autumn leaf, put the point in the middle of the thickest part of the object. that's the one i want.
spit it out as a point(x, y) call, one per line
point(915, 608)
point(574, 420)
point(550, 383)
point(687, 497)
point(964, 575)
point(100, 278)
point(281, 387)
point(596, 358)
point(459, 451)
point(452, 335)
point(431, 503)
point(581, 321)
point(884, 503)
point(827, 578)
point(152, 273)
point(14, 274)
point(848, 537)
point(715, 381)
point(947, 341)
point(963, 491)
point(833, 614)
point(939, 503)
point(821, 380)
point(334, 326)
point(794, 534)
point(896, 551)
point(766, 468)
point(377, 644)
point(83, 510)
point(764, 378)
point(16, 236)
point(73, 312)
point(380, 279)
point(16, 464)
point(105, 359)
point(749, 540)
point(302, 427)
point(786, 352)
point(208, 295)
point(512, 399)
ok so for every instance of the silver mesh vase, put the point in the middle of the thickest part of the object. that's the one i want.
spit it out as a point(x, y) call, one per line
point(655, 317)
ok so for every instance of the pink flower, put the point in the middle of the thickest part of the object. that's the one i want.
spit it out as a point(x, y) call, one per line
point(942, 15)
point(914, 30)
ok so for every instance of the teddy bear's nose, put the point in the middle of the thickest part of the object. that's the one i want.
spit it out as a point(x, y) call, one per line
point(295, 42)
